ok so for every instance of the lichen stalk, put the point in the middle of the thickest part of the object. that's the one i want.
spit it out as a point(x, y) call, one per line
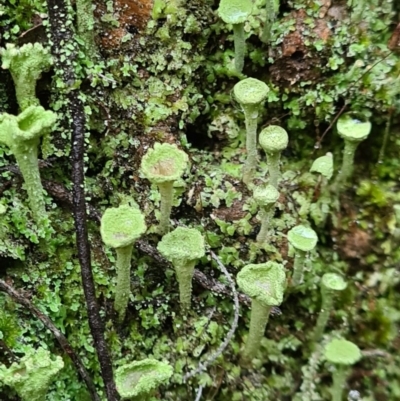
point(326, 308)
point(251, 115)
point(298, 267)
point(25, 92)
point(258, 322)
point(123, 287)
point(266, 216)
point(167, 196)
point(269, 19)
point(240, 46)
point(273, 161)
point(28, 165)
point(339, 382)
point(347, 162)
point(184, 275)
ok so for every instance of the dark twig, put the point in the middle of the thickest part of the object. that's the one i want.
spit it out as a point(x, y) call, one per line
point(65, 345)
point(65, 52)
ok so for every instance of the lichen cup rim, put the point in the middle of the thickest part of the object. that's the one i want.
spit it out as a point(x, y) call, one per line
point(235, 11)
point(342, 352)
point(185, 253)
point(273, 138)
point(250, 91)
point(353, 127)
point(334, 282)
point(175, 163)
point(302, 237)
point(266, 195)
point(269, 289)
point(129, 223)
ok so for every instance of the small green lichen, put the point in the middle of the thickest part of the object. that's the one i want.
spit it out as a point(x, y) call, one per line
point(163, 165)
point(265, 284)
point(183, 247)
point(26, 63)
point(22, 135)
point(140, 378)
point(120, 228)
point(250, 93)
point(32, 375)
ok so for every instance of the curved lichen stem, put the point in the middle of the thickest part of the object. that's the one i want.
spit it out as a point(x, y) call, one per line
point(258, 322)
point(273, 161)
point(298, 267)
point(123, 287)
point(251, 115)
point(240, 46)
point(167, 196)
point(184, 274)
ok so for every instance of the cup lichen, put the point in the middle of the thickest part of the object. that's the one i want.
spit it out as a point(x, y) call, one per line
point(273, 139)
point(342, 354)
point(353, 129)
point(236, 12)
point(26, 64)
point(22, 136)
point(266, 198)
point(120, 228)
point(250, 93)
point(330, 284)
point(183, 247)
point(32, 375)
point(265, 284)
point(163, 165)
point(303, 239)
point(138, 379)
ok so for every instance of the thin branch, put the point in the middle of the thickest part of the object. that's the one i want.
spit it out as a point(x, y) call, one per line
point(65, 52)
point(65, 345)
point(211, 359)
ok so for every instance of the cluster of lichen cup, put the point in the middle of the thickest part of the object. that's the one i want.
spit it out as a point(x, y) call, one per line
point(163, 165)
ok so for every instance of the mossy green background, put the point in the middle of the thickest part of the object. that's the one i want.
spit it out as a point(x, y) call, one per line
point(172, 81)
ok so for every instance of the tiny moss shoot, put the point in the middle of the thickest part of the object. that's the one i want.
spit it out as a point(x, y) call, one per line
point(163, 165)
point(183, 247)
point(303, 239)
point(120, 228)
point(236, 12)
point(22, 135)
point(26, 64)
point(250, 93)
point(342, 354)
point(140, 378)
point(330, 284)
point(265, 284)
point(273, 140)
point(353, 129)
point(266, 198)
point(32, 375)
